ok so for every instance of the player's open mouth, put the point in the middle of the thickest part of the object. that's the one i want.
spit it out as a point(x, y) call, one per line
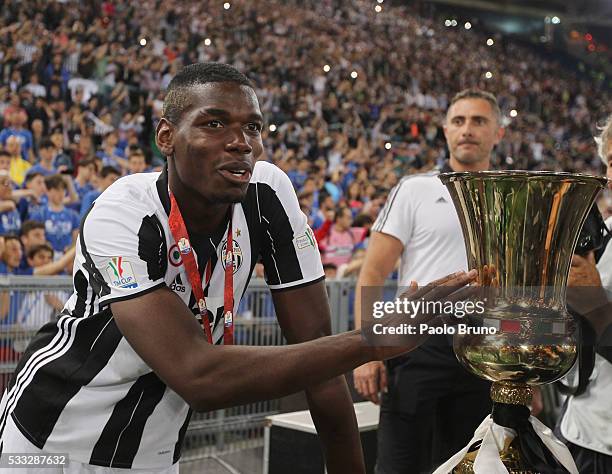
point(236, 176)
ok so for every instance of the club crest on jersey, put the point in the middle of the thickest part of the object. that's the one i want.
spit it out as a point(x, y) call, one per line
point(120, 273)
point(235, 257)
point(184, 246)
point(174, 256)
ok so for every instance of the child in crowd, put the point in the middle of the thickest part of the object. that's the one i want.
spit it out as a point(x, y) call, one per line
point(10, 221)
point(37, 307)
point(61, 223)
point(36, 198)
point(46, 154)
point(108, 176)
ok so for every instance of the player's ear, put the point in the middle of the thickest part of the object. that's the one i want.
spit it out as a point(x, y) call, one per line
point(164, 136)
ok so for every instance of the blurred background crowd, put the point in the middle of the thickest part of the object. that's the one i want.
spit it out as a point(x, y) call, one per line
point(354, 98)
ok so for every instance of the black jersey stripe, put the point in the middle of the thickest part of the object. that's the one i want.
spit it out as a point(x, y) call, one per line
point(278, 252)
point(92, 303)
point(181, 437)
point(96, 280)
point(118, 443)
point(55, 383)
point(31, 361)
point(80, 288)
point(152, 247)
point(251, 215)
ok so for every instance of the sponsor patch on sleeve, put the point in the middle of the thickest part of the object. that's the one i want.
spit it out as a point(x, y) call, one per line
point(120, 273)
point(305, 240)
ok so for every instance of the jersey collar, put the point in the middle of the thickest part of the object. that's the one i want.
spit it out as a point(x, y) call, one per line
point(162, 189)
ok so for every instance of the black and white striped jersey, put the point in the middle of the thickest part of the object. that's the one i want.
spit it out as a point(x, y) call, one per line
point(80, 388)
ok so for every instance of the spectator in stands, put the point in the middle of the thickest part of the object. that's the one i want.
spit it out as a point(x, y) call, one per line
point(37, 307)
point(9, 300)
point(33, 237)
point(136, 162)
point(11, 257)
point(86, 170)
point(62, 161)
point(10, 222)
point(352, 268)
point(83, 150)
point(331, 271)
point(35, 87)
point(326, 210)
point(19, 167)
point(36, 197)
point(108, 175)
point(61, 223)
point(336, 240)
point(17, 120)
point(111, 154)
point(46, 155)
point(5, 162)
point(32, 234)
point(354, 198)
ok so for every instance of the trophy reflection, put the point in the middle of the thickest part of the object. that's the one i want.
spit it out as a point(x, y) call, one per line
point(520, 230)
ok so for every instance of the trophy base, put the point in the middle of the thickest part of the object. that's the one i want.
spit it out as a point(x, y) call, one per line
point(512, 394)
point(510, 456)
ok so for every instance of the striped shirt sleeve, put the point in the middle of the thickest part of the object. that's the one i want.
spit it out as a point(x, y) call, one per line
point(122, 247)
point(289, 250)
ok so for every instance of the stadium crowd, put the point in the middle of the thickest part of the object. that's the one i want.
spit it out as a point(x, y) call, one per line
point(354, 100)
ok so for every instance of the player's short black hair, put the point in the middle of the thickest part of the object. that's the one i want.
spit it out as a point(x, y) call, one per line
point(196, 74)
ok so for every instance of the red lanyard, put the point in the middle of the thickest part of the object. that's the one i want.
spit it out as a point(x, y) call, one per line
point(181, 237)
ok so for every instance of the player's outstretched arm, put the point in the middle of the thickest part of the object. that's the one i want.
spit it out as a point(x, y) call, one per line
point(166, 335)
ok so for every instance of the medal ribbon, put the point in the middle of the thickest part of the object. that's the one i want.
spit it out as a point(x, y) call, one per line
point(181, 237)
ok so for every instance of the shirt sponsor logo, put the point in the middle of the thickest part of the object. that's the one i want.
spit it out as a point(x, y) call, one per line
point(305, 240)
point(236, 255)
point(120, 273)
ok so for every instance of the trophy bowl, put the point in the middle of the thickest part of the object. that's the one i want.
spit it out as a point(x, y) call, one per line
point(520, 231)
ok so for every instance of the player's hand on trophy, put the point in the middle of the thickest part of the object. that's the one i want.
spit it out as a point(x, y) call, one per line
point(453, 287)
point(370, 380)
